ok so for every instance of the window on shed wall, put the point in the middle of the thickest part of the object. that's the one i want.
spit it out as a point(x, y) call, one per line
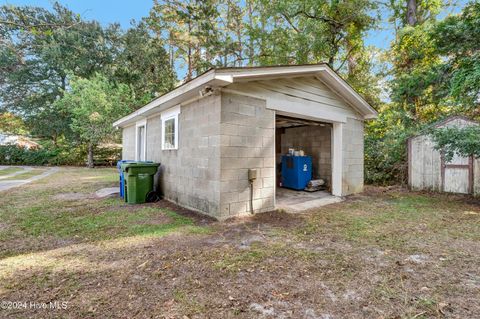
point(170, 128)
point(169, 141)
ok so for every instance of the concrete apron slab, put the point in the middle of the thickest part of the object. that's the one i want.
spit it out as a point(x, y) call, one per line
point(298, 201)
point(107, 192)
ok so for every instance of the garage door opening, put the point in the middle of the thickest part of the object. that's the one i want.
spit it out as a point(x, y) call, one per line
point(303, 163)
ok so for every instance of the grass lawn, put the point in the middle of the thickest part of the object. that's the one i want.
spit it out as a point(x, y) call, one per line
point(382, 254)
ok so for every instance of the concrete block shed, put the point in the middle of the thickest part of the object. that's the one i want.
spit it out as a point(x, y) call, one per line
point(428, 170)
point(209, 132)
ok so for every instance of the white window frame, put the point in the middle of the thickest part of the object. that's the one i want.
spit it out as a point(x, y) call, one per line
point(171, 113)
point(138, 124)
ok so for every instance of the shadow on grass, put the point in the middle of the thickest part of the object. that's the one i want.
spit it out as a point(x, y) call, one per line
point(34, 218)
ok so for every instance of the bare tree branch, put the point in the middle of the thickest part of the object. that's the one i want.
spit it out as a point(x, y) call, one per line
point(289, 21)
point(346, 57)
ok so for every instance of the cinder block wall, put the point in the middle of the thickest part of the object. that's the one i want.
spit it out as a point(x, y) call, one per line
point(247, 140)
point(190, 176)
point(316, 142)
point(154, 138)
point(128, 143)
point(353, 156)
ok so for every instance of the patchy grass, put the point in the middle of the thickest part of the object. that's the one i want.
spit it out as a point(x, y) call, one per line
point(99, 225)
point(35, 213)
point(240, 260)
point(391, 254)
point(9, 170)
point(396, 221)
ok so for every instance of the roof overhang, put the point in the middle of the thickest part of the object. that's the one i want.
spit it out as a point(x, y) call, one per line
point(442, 123)
point(221, 77)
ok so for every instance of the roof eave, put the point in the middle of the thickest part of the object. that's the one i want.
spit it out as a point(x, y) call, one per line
point(224, 77)
point(337, 84)
point(176, 93)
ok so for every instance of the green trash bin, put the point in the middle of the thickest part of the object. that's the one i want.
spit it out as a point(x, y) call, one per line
point(138, 181)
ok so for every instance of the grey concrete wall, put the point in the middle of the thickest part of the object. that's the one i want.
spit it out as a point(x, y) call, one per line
point(316, 142)
point(190, 176)
point(353, 156)
point(154, 138)
point(247, 141)
point(220, 138)
point(128, 143)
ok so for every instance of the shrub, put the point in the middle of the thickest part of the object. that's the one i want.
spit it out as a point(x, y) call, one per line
point(386, 158)
point(56, 155)
point(15, 155)
point(386, 148)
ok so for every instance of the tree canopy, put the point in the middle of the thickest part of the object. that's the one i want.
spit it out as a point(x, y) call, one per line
point(434, 73)
point(42, 48)
point(93, 105)
point(455, 141)
point(429, 71)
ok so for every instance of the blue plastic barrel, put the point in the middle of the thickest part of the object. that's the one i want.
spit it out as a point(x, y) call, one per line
point(120, 173)
point(296, 171)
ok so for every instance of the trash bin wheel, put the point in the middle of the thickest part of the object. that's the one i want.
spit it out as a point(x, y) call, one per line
point(152, 197)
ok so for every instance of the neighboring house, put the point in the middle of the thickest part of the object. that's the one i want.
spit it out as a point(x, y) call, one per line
point(19, 140)
point(209, 132)
point(427, 169)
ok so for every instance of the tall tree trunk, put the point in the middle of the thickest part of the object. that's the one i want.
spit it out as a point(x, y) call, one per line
point(189, 53)
point(225, 57)
point(240, 42)
point(55, 139)
point(409, 63)
point(170, 50)
point(263, 22)
point(331, 61)
point(412, 12)
point(64, 82)
point(90, 156)
point(352, 59)
point(251, 50)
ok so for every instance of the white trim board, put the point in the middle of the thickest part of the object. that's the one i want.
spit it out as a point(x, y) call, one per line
point(138, 124)
point(337, 159)
point(171, 113)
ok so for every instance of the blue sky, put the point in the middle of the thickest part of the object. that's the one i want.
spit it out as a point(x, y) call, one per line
point(105, 11)
point(109, 11)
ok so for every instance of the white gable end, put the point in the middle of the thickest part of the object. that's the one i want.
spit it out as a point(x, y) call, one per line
point(306, 96)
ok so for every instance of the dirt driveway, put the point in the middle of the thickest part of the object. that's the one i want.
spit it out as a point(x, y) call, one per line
point(14, 176)
point(382, 254)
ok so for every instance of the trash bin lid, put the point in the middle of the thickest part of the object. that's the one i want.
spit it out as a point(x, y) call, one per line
point(140, 164)
point(119, 163)
point(138, 168)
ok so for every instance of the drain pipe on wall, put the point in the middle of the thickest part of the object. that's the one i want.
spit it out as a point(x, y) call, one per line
point(252, 176)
